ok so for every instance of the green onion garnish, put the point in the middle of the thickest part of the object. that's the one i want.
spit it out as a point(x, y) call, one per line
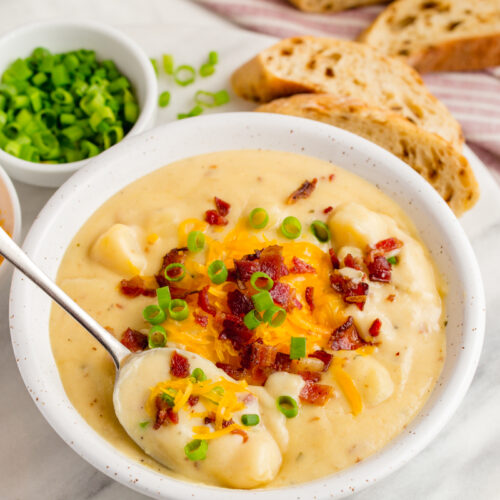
point(221, 97)
point(164, 99)
point(154, 314)
point(207, 69)
point(217, 272)
point(288, 406)
point(175, 265)
point(297, 347)
point(157, 337)
point(275, 316)
point(164, 297)
point(168, 64)
point(195, 241)
point(184, 75)
point(392, 260)
point(197, 110)
point(320, 230)
point(219, 390)
point(213, 57)
point(144, 424)
point(211, 99)
point(250, 419)
point(252, 320)
point(262, 301)
point(196, 450)
point(259, 276)
point(178, 309)
point(169, 398)
point(291, 228)
point(154, 62)
point(199, 375)
point(258, 218)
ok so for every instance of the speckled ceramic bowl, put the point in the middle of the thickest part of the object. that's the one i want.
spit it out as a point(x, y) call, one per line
point(70, 207)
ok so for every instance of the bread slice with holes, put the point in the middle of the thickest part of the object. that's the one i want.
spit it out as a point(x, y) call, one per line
point(439, 35)
point(345, 69)
point(331, 5)
point(427, 153)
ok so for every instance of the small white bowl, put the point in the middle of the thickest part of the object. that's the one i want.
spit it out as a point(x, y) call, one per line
point(10, 215)
point(63, 36)
point(105, 175)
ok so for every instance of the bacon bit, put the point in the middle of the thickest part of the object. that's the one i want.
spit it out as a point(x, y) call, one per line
point(172, 416)
point(309, 296)
point(134, 340)
point(215, 219)
point(259, 355)
point(350, 261)
point(164, 411)
point(309, 376)
point(374, 329)
point(209, 419)
point(241, 433)
point(282, 294)
point(179, 365)
point(316, 394)
point(346, 337)
point(282, 362)
point(327, 210)
point(222, 206)
point(391, 297)
point(296, 303)
point(331, 177)
point(334, 259)
point(324, 356)
point(203, 302)
point(239, 303)
point(304, 191)
point(379, 269)
point(135, 287)
point(389, 245)
point(245, 268)
point(176, 255)
point(351, 292)
point(301, 267)
point(193, 400)
point(236, 331)
point(272, 262)
point(201, 319)
point(232, 371)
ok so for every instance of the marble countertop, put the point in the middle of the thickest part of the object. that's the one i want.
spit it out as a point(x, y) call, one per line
point(462, 463)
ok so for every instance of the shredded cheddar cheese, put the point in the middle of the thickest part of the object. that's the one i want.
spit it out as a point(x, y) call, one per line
point(349, 389)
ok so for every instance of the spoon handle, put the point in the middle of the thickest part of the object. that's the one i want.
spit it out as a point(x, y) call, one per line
point(21, 261)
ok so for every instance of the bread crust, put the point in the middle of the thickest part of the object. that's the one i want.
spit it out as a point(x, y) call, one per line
point(319, 6)
point(431, 156)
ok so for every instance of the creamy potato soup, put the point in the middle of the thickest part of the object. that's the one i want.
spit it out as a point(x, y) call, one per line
point(295, 317)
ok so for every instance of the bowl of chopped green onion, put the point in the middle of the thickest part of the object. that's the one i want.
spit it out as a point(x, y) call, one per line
point(69, 91)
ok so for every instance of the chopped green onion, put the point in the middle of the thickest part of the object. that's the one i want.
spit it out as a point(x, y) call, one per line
point(392, 260)
point(118, 84)
point(252, 320)
point(157, 337)
point(199, 375)
point(154, 62)
point(67, 118)
point(168, 398)
point(195, 241)
point(168, 64)
point(291, 228)
point(258, 218)
point(250, 419)
point(178, 309)
point(196, 450)
point(288, 406)
point(213, 57)
point(184, 75)
point(74, 132)
point(144, 424)
point(197, 110)
point(175, 277)
point(221, 97)
point(217, 272)
point(275, 316)
point(164, 297)
point(207, 69)
point(262, 301)
point(61, 96)
point(219, 390)
point(164, 99)
point(154, 314)
point(320, 230)
point(260, 275)
point(60, 75)
point(297, 347)
point(211, 99)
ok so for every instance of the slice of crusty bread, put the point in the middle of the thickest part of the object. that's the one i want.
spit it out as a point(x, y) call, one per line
point(439, 35)
point(431, 156)
point(331, 5)
point(346, 69)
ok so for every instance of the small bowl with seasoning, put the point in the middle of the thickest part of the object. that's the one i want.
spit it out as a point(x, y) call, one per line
point(10, 216)
point(68, 91)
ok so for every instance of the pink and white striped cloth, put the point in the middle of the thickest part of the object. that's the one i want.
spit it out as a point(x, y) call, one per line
point(472, 97)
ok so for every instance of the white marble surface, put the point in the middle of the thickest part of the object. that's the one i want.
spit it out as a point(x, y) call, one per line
point(462, 463)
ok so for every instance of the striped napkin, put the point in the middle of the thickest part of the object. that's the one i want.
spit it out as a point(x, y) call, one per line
point(472, 97)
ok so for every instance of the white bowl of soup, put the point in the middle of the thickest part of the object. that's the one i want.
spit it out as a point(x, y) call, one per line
point(330, 369)
point(10, 217)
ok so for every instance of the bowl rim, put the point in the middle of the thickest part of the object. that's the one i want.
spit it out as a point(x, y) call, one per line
point(147, 110)
point(356, 477)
